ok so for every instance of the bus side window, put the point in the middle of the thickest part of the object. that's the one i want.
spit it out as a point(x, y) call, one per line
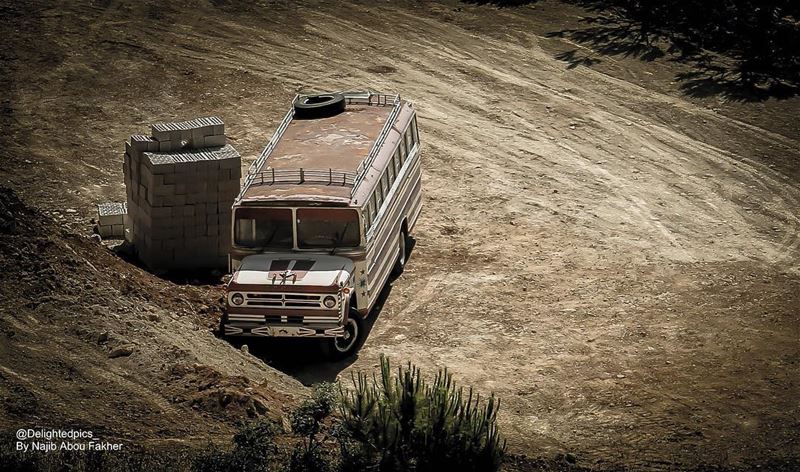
point(414, 130)
point(373, 207)
point(379, 196)
point(367, 217)
point(392, 171)
point(409, 139)
point(403, 149)
point(385, 183)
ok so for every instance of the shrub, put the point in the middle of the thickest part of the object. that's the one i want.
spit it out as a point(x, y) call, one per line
point(254, 449)
point(310, 455)
point(400, 422)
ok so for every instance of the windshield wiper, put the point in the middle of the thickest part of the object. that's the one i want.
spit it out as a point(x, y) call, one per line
point(340, 238)
point(271, 237)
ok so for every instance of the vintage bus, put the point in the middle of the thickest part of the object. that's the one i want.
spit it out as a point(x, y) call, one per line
point(323, 219)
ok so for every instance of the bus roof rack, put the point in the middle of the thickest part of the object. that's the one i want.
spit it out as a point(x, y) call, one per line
point(303, 176)
point(363, 168)
point(257, 174)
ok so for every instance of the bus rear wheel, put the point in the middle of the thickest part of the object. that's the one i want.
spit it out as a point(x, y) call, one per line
point(400, 265)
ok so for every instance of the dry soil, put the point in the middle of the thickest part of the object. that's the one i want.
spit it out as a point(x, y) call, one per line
point(617, 261)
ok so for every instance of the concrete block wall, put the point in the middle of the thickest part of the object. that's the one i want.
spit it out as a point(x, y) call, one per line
point(181, 183)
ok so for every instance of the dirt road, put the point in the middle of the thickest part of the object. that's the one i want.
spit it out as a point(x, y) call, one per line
point(619, 265)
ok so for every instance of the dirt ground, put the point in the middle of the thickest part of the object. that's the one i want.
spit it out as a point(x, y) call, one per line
point(615, 259)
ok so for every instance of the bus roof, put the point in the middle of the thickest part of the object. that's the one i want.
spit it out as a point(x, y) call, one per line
point(327, 159)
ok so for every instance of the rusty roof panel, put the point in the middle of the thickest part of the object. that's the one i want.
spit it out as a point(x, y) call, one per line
point(322, 159)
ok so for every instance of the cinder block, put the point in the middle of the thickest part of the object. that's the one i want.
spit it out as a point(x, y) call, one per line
point(176, 233)
point(176, 136)
point(215, 140)
point(163, 220)
point(164, 190)
point(179, 200)
point(159, 132)
point(143, 143)
point(111, 213)
point(159, 163)
point(159, 233)
point(130, 150)
point(161, 212)
point(200, 210)
point(230, 163)
point(197, 138)
point(180, 188)
point(212, 195)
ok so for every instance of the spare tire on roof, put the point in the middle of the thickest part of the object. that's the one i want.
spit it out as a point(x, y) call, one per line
point(319, 106)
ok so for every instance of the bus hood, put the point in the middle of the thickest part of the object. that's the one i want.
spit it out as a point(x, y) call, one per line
point(292, 270)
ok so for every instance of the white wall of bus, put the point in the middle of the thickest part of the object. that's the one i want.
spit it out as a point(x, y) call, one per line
point(402, 200)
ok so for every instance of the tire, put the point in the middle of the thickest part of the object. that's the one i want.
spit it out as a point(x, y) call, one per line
point(343, 347)
point(400, 265)
point(319, 106)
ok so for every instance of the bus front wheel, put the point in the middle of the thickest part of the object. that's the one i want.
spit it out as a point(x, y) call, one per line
point(344, 346)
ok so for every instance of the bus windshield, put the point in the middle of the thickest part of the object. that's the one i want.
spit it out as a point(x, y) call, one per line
point(263, 227)
point(327, 228)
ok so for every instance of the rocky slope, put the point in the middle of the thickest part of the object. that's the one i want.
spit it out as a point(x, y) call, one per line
point(92, 341)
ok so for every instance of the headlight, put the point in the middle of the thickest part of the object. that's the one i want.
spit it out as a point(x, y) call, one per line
point(237, 299)
point(329, 301)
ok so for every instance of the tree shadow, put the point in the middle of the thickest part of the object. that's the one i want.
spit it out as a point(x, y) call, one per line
point(711, 79)
point(712, 75)
point(501, 3)
point(609, 36)
point(574, 59)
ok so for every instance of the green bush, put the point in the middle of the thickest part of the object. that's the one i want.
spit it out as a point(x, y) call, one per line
point(254, 450)
point(310, 455)
point(402, 423)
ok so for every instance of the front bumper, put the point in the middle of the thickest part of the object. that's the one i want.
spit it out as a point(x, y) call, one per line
point(282, 330)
